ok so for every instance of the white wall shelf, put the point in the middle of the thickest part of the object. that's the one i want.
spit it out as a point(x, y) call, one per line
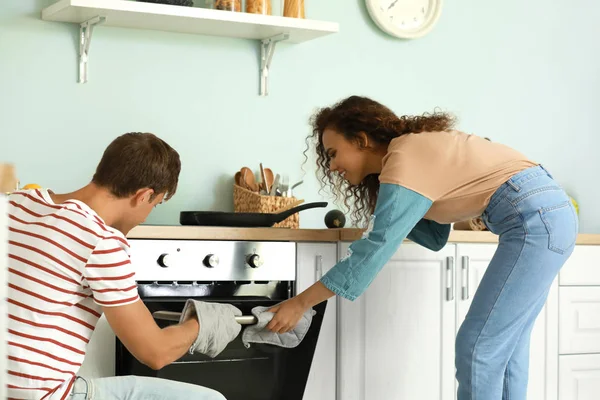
point(132, 14)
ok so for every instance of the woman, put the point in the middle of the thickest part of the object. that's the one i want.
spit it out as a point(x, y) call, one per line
point(417, 176)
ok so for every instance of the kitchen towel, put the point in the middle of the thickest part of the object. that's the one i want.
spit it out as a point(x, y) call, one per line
point(259, 333)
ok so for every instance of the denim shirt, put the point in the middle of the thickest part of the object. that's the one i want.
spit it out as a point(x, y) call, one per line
point(398, 215)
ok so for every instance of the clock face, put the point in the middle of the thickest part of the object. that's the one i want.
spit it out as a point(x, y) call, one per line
point(407, 19)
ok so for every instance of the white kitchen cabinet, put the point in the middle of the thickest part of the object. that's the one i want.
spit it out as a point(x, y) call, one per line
point(397, 339)
point(579, 325)
point(313, 260)
point(579, 320)
point(582, 268)
point(472, 262)
point(579, 377)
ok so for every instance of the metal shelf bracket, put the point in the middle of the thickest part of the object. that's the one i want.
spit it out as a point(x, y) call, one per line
point(266, 56)
point(85, 37)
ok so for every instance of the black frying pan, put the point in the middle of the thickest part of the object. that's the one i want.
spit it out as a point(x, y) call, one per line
point(246, 220)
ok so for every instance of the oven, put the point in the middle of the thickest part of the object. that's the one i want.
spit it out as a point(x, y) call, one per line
point(245, 274)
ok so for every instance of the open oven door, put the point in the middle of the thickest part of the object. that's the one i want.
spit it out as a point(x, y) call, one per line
point(261, 372)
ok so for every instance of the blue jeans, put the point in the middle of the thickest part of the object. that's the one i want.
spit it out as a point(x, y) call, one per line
point(139, 388)
point(537, 228)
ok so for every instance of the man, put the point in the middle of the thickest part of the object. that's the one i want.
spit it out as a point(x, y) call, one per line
point(69, 263)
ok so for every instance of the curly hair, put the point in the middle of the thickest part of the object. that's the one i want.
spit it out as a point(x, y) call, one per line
point(350, 117)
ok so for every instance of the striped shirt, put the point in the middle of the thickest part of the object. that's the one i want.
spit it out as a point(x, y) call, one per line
point(64, 265)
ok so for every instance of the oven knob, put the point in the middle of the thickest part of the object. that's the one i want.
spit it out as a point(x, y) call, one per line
point(164, 260)
point(211, 261)
point(254, 261)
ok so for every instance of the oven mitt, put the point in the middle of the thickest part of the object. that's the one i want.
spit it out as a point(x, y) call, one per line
point(259, 333)
point(218, 326)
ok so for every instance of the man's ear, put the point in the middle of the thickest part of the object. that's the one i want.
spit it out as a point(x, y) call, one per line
point(142, 196)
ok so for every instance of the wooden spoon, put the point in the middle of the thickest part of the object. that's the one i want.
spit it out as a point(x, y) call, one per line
point(269, 179)
point(243, 179)
point(264, 180)
point(248, 179)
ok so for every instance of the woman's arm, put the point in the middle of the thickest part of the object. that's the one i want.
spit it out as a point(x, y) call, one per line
point(398, 210)
point(430, 234)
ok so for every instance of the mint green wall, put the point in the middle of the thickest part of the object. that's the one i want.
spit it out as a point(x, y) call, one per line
point(523, 73)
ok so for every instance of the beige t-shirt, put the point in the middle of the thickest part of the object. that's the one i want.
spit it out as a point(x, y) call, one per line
point(458, 172)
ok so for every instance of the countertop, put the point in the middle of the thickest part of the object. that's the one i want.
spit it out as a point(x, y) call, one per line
point(299, 235)
point(222, 233)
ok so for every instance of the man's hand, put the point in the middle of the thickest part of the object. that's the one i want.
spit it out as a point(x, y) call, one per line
point(218, 326)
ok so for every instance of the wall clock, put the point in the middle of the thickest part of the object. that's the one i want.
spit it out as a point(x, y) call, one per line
point(406, 19)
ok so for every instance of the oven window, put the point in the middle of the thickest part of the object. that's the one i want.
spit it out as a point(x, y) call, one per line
point(262, 372)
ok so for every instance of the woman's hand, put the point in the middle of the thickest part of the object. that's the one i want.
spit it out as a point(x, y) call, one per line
point(287, 315)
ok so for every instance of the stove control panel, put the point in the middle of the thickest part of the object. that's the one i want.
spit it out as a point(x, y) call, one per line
point(199, 260)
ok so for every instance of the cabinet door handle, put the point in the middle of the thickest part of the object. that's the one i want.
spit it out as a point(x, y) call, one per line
point(449, 278)
point(319, 268)
point(465, 277)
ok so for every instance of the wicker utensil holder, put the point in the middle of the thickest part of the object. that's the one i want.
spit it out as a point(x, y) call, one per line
point(247, 201)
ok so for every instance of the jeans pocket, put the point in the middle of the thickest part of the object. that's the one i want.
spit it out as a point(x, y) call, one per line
point(561, 224)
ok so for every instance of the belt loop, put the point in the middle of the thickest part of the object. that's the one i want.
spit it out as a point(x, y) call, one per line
point(87, 392)
point(513, 185)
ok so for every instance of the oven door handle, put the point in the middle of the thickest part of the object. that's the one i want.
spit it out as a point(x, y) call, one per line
point(174, 316)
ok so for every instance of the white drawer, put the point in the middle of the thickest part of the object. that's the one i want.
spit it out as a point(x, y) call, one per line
point(579, 377)
point(582, 268)
point(579, 320)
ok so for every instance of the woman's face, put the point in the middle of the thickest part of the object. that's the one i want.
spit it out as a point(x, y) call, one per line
point(345, 157)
